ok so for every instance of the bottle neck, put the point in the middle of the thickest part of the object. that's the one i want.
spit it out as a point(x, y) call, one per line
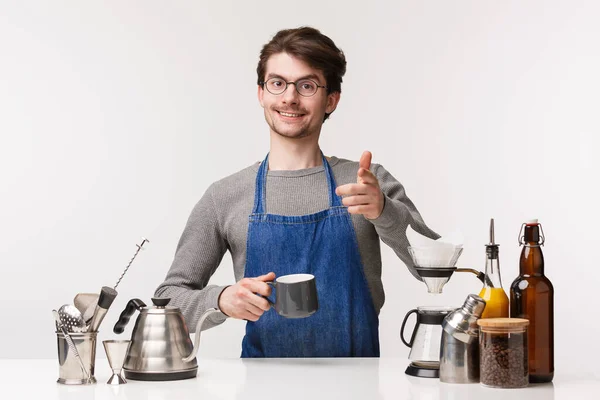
point(492, 268)
point(532, 259)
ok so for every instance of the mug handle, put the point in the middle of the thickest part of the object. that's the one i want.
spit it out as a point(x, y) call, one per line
point(412, 337)
point(272, 284)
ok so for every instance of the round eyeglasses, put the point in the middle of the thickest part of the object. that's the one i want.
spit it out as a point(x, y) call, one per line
point(304, 87)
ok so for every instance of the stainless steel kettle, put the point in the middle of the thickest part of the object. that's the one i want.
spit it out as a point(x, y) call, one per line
point(161, 348)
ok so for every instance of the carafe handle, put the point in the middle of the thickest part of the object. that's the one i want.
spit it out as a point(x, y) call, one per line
point(132, 305)
point(412, 337)
point(198, 332)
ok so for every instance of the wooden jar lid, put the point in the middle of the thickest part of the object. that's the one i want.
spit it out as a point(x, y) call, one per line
point(507, 323)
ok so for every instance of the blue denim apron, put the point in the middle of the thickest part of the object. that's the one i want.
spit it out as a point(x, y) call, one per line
point(322, 244)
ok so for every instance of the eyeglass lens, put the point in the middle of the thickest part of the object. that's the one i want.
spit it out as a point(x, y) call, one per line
point(306, 87)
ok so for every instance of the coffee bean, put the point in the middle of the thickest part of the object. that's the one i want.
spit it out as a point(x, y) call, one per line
point(503, 359)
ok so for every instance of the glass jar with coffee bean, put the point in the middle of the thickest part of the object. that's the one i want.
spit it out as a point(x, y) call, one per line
point(503, 352)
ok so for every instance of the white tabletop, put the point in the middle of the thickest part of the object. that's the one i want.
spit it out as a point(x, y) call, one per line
point(281, 379)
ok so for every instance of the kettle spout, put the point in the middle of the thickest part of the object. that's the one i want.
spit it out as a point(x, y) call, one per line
point(198, 332)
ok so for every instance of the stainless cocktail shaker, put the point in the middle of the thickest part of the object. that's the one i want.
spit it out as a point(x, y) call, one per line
point(459, 350)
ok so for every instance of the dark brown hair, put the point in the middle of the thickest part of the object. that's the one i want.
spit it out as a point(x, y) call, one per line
point(310, 46)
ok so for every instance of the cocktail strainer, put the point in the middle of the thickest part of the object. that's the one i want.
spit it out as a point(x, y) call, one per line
point(72, 319)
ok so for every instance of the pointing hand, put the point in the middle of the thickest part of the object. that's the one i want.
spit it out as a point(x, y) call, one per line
point(364, 197)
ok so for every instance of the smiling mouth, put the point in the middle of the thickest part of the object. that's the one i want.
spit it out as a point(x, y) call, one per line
point(290, 115)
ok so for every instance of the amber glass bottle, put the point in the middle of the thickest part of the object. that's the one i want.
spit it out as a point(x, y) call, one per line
point(532, 298)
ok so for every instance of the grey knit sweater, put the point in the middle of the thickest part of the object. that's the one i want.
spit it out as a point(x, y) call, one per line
point(219, 223)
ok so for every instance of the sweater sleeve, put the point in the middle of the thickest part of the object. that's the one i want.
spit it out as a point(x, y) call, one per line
point(200, 250)
point(398, 213)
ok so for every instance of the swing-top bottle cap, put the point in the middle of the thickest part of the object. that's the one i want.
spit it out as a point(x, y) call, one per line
point(533, 233)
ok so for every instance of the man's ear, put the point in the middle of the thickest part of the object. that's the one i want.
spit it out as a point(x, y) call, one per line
point(260, 95)
point(332, 101)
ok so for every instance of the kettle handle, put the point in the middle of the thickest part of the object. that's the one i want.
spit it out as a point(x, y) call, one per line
point(198, 332)
point(412, 337)
point(132, 305)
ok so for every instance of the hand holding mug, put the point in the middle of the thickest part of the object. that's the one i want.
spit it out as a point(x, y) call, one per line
point(244, 299)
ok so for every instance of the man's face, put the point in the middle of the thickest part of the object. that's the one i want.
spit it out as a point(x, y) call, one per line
point(290, 114)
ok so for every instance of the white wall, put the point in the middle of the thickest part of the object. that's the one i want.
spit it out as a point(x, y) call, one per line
point(116, 116)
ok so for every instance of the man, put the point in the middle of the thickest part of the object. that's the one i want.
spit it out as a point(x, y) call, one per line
point(296, 212)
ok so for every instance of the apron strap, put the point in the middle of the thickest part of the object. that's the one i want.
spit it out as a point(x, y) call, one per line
point(334, 199)
point(260, 189)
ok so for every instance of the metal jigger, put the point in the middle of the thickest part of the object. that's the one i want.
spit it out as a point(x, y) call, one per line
point(116, 351)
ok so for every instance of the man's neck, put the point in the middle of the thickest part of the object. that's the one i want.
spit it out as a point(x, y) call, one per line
point(293, 154)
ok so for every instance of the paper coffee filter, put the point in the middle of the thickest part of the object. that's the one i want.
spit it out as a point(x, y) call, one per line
point(430, 253)
point(452, 239)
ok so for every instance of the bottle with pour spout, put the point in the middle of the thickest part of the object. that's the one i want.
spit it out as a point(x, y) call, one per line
point(492, 292)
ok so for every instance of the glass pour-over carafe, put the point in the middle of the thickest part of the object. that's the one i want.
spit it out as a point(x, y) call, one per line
point(425, 341)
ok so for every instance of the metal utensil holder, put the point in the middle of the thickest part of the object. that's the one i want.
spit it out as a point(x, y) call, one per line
point(69, 370)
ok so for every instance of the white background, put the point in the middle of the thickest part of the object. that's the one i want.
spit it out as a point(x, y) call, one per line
point(116, 116)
